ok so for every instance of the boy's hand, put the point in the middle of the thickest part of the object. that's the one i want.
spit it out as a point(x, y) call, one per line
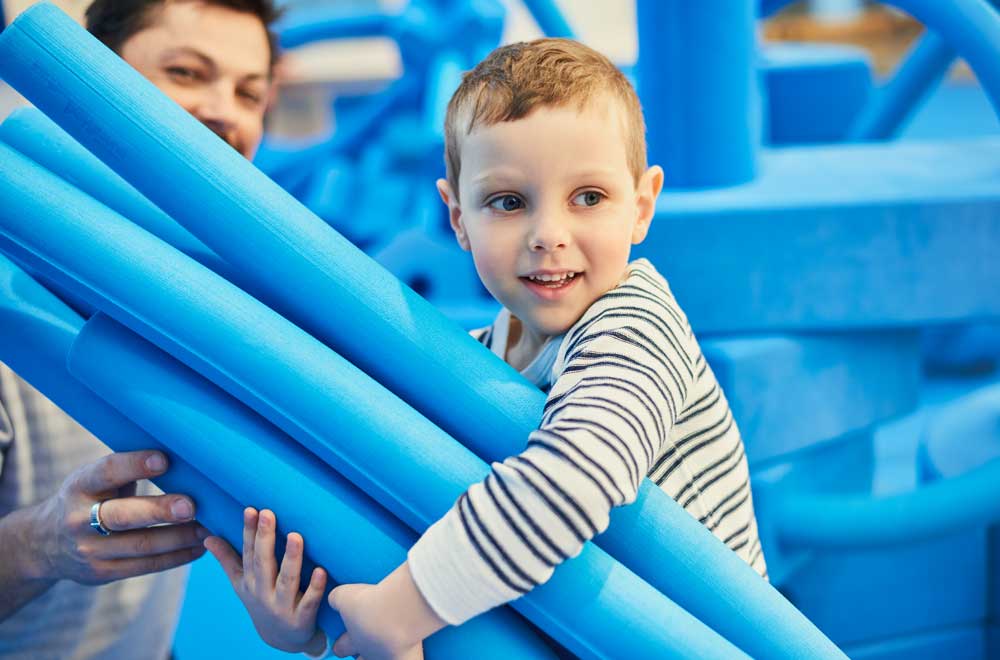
point(387, 621)
point(284, 617)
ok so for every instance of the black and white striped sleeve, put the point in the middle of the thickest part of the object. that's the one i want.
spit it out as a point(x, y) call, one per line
point(624, 371)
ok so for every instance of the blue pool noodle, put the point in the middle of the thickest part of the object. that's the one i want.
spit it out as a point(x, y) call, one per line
point(327, 404)
point(36, 333)
point(393, 333)
point(39, 138)
point(354, 538)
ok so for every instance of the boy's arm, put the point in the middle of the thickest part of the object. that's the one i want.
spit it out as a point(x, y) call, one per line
point(387, 620)
point(623, 376)
point(628, 366)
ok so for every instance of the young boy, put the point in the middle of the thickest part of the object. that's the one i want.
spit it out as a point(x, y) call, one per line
point(548, 188)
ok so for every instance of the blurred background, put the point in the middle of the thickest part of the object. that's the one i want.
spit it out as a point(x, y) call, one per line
point(831, 225)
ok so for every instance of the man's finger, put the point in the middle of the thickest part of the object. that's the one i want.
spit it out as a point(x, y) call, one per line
point(117, 569)
point(125, 513)
point(226, 555)
point(150, 542)
point(114, 471)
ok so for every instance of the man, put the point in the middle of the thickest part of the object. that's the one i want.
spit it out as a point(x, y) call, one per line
point(215, 59)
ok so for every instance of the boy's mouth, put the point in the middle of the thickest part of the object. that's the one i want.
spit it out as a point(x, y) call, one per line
point(550, 285)
point(553, 281)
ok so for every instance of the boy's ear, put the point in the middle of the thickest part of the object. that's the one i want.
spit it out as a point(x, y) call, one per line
point(646, 193)
point(454, 213)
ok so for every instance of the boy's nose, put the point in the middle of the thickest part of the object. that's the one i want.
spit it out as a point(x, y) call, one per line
point(548, 235)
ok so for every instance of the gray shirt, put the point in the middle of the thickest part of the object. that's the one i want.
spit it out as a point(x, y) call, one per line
point(135, 618)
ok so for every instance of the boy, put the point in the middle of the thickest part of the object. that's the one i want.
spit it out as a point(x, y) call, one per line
point(548, 188)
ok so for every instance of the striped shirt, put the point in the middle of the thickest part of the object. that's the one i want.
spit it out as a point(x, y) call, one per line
point(630, 395)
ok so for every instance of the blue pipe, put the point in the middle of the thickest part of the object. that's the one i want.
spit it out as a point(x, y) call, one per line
point(304, 26)
point(345, 418)
point(391, 332)
point(770, 7)
point(972, 28)
point(698, 84)
point(925, 67)
point(842, 522)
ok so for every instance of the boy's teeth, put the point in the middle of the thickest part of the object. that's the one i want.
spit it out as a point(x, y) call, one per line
point(551, 278)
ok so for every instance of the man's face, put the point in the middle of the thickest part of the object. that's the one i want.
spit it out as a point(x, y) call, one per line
point(214, 62)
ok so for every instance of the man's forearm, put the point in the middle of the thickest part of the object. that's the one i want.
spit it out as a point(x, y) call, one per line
point(21, 576)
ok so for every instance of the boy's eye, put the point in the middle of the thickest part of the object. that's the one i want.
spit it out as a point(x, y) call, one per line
point(506, 203)
point(588, 198)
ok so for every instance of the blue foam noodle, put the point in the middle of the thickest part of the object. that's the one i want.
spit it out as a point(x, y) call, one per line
point(368, 434)
point(380, 325)
point(36, 333)
point(350, 534)
point(40, 139)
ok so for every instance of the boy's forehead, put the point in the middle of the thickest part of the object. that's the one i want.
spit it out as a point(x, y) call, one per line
point(601, 105)
point(594, 132)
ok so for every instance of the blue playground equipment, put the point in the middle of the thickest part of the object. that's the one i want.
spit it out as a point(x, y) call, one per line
point(832, 275)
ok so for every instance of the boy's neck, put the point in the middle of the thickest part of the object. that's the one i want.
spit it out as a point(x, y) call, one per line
point(523, 345)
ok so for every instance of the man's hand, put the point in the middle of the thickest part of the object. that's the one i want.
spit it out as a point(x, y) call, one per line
point(65, 546)
point(284, 617)
point(387, 621)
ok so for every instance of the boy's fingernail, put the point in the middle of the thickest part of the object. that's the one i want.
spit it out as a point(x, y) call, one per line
point(156, 463)
point(181, 509)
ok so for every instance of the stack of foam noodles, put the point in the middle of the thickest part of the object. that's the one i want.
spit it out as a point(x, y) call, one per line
point(280, 367)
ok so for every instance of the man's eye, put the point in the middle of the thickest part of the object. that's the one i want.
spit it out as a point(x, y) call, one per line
point(588, 198)
point(251, 96)
point(506, 203)
point(182, 74)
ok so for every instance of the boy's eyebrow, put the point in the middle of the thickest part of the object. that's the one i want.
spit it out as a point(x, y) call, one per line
point(494, 173)
point(596, 172)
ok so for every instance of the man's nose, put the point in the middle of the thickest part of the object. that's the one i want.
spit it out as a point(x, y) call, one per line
point(216, 109)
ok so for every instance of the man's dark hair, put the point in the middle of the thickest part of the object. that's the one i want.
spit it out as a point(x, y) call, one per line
point(115, 21)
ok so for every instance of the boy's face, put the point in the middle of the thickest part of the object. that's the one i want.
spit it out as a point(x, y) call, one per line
point(212, 61)
point(550, 210)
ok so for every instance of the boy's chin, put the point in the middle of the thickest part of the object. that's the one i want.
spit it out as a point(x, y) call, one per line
point(551, 326)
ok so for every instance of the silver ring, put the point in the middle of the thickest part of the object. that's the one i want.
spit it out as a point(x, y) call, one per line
point(95, 520)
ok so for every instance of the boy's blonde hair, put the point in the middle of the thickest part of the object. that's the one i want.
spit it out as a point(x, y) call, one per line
point(516, 79)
